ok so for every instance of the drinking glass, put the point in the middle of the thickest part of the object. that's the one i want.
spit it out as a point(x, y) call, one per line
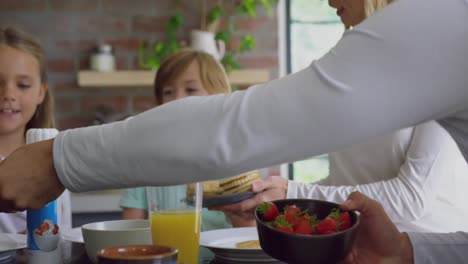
point(175, 216)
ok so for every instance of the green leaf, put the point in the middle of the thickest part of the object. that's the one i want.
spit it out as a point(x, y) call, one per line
point(214, 14)
point(224, 36)
point(267, 5)
point(159, 47)
point(147, 57)
point(154, 63)
point(173, 47)
point(247, 43)
point(178, 19)
point(249, 7)
point(230, 63)
point(174, 23)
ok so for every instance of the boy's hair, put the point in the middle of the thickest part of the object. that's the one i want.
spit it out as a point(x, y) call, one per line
point(212, 74)
point(15, 38)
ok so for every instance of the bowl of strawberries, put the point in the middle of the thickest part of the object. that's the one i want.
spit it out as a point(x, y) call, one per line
point(305, 230)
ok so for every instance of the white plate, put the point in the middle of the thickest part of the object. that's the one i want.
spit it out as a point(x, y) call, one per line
point(222, 243)
point(73, 235)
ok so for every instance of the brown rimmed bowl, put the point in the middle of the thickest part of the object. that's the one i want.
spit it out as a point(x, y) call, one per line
point(137, 254)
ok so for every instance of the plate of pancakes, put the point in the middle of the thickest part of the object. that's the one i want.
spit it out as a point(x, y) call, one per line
point(230, 190)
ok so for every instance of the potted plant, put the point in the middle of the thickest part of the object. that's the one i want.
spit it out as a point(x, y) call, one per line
point(224, 13)
point(217, 26)
point(150, 55)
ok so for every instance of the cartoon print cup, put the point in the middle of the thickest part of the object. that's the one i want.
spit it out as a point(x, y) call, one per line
point(42, 225)
point(46, 235)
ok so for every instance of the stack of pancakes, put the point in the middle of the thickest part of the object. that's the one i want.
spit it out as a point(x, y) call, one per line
point(240, 183)
point(237, 184)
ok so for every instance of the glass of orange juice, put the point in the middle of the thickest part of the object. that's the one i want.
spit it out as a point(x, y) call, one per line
point(175, 215)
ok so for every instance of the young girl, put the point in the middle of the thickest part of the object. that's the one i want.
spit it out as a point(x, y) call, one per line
point(25, 102)
point(185, 73)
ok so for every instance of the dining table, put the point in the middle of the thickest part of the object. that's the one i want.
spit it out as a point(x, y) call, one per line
point(216, 247)
point(72, 253)
point(75, 253)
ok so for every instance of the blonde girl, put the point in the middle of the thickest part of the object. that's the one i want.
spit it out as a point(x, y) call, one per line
point(25, 102)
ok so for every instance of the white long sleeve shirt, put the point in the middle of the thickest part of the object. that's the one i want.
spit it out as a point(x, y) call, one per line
point(418, 174)
point(403, 66)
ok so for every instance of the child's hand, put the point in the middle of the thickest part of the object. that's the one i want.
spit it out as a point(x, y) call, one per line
point(272, 188)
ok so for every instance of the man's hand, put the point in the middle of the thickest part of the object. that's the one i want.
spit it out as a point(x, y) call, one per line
point(272, 188)
point(378, 240)
point(28, 179)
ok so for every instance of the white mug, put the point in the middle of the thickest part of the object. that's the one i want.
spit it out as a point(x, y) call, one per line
point(205, 41)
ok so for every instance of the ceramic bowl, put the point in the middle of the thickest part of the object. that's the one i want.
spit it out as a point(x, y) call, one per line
point(302, 249)
point(105, 234)
point(137, 254)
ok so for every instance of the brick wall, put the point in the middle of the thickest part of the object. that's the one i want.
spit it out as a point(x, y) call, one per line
point(69, 29)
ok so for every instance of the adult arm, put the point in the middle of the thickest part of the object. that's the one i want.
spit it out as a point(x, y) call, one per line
point(398, 68)
point(430, 156)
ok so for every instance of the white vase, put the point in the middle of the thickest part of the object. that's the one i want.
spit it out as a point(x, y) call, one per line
point(205, 41)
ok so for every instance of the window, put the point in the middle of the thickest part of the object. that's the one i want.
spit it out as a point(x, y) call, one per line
point(313, 28)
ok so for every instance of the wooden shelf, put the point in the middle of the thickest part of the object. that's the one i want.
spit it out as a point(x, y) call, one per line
point(92, 79)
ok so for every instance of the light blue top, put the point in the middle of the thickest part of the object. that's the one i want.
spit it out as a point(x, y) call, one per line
point(137, 198)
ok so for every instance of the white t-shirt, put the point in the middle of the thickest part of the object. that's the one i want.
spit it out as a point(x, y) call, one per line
point(403, 66)
point(418, 174)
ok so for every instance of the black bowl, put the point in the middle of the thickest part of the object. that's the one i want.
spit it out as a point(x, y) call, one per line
point(299, 249)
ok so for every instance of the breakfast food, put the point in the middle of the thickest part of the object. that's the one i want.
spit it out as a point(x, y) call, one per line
point(240, 183)
point(211, 188)
point(232, 185)
point(249, 244)
point(294, 220)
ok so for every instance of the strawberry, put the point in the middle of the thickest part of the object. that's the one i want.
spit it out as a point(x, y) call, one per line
point(286, 229)
point(269, 211)
point(344, 221)
point(311, 218)
point(292, 214)
point(304, 228)
point(334, 214)
point(326, 226)
point(282, 225)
